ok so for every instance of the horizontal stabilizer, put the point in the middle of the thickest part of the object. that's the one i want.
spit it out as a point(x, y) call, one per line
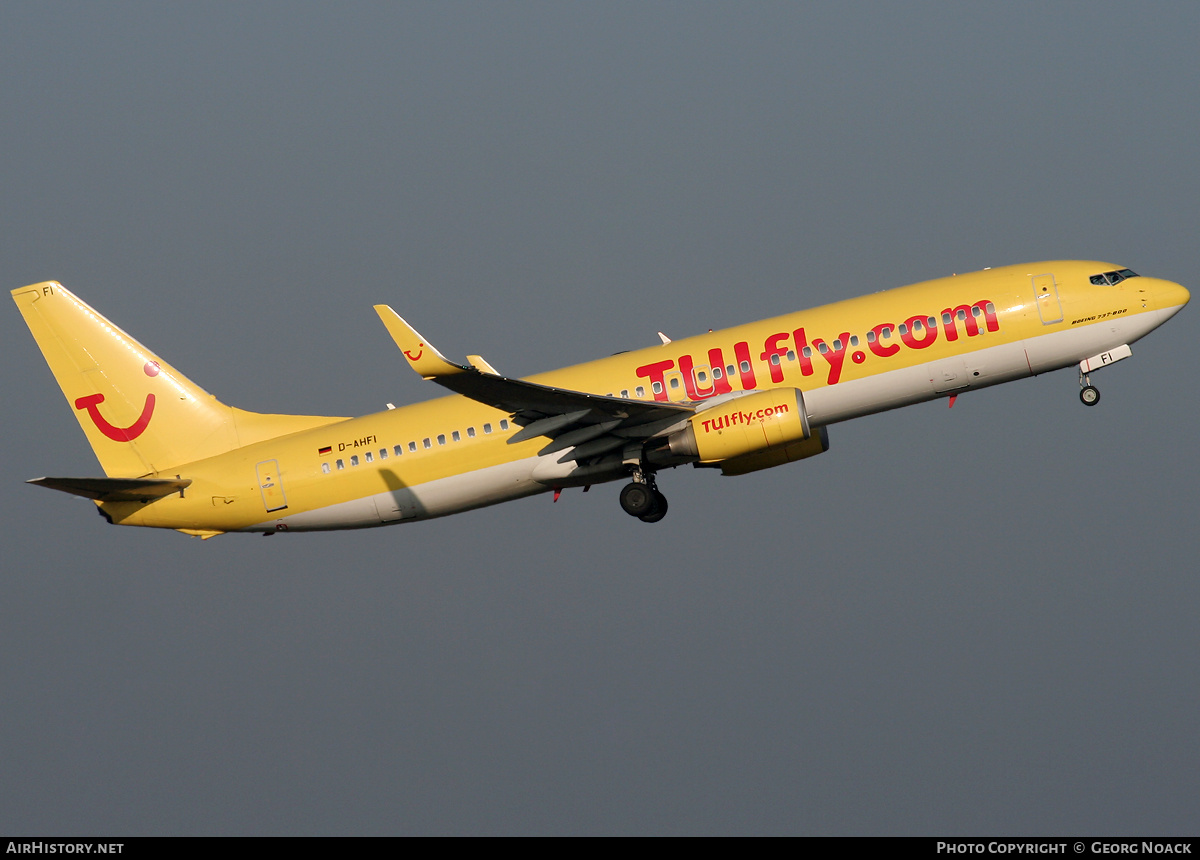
point(116, 489)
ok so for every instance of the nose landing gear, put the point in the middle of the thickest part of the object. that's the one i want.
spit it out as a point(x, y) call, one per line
point(1089, 395)
point(641, 498)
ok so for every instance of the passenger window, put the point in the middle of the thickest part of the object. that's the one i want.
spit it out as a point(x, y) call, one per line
point(625, 393)
point(854, 340)
point(325, 468)
point(916, 325)
point(962, 314)
point(991, 308)
point(503, 423)
point(701, 377)
point(426, 442)
point(730, 370)
point(370, 458)
point(931, 322)
point(946, 318)
point(674, 381)
point(718, 373)
point(870, 337)
point(640, 391)
point(745, 365)
point(470, 432)
point(974, 312)
point(775, 359)
point(903, 329)
point(487, 428)
point(886, 331)
point(657, 387)
point(354, 460)
point(807, 351)
point(383, 455)
point(837, 344)
point(456, 436)
point(791, 356)
point(399, 449)
point(412, 446)
point(822, 347)
point(441, 438)
point(340, 465)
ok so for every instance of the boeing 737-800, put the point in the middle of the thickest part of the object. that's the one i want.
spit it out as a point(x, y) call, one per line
point(740, 399)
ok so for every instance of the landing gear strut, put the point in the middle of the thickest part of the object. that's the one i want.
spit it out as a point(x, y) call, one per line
point(1089, 395)
point(641, 498)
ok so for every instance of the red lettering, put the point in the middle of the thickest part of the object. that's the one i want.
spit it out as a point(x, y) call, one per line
point(691, 382)
point(741, 352)
point(835, 357)
point(910, 336)
point(970, 319)
point(721, 384)
point(772, 347)
point(989, 313)
point(654, 372)
point(878, 346)
point(806, 367)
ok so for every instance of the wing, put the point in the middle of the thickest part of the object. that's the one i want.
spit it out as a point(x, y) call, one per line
point(591, 424)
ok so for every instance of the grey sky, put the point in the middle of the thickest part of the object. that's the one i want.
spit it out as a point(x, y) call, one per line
point(971, 621)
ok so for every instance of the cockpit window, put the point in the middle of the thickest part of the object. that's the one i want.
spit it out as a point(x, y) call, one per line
point(1113, 277)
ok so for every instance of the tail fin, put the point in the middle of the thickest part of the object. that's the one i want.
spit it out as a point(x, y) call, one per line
point(141, 415)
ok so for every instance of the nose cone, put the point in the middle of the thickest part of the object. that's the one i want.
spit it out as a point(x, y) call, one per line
point(1174, 295)
point(1170, 298)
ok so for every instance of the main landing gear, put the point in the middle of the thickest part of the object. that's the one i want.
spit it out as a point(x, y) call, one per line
point(642, 499)
point(1089, 395)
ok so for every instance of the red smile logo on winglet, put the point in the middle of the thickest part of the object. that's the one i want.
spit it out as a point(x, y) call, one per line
point(416, 357)
point(120, 434)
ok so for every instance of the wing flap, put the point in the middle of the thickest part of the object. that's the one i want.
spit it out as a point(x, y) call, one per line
point(547, 426)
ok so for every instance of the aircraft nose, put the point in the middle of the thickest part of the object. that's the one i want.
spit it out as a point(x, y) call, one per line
point(1170, 298)
point(1174, 295)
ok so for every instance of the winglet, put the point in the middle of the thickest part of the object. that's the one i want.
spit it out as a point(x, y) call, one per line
point(425, 360)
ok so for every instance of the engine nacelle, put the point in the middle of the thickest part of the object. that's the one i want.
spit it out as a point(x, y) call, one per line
point(745, 434)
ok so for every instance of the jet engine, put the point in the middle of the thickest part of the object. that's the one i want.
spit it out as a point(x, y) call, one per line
point(745, 434)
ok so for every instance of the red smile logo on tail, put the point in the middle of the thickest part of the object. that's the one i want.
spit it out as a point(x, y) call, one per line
point(120, 434)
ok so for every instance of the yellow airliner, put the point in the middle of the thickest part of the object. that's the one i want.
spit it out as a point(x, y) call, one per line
point(739, 400)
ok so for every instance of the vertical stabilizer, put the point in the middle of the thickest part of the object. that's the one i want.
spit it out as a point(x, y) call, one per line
point(139, 413)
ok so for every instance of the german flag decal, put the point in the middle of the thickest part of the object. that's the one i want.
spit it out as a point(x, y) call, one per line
point(328, 449)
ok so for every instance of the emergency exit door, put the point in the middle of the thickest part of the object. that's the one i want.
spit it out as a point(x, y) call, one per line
point(1045, 293)
point(270, 485)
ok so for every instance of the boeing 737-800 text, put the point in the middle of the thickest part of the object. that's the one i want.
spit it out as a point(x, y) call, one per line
point(738, 400)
